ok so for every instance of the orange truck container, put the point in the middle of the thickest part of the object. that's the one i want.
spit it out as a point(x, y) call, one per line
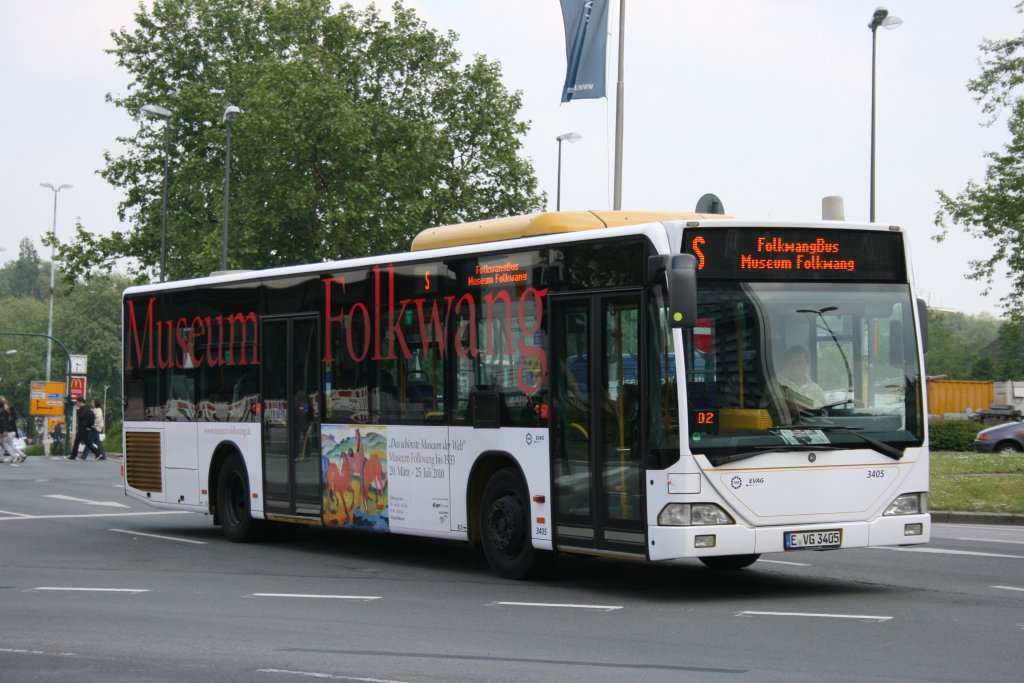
point(957, 396)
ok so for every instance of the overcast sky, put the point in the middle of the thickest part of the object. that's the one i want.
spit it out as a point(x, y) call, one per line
point(766, 103)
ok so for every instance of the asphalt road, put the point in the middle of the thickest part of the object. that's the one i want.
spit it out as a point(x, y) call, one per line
point(94, 587)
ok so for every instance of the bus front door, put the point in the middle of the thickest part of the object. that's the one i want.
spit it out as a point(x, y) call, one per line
point(291, 422)
point(595, 409)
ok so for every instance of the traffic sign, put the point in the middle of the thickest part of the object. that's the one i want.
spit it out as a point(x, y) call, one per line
point(704, 335)
point(46, 398)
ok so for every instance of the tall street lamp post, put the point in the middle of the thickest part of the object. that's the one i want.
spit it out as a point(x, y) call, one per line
point(53, 271)
point(564, 137)
point(104, 425)
point(231, 113)
point(879, 18)
point(156, 111)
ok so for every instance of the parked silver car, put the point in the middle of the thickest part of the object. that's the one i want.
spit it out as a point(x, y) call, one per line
point(1004, 438)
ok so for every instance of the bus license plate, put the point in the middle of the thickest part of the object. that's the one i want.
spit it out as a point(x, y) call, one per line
point(829, 538)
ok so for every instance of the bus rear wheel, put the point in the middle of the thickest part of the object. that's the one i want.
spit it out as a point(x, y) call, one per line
point(236, 522)
point(505, 528)
point(729, 562)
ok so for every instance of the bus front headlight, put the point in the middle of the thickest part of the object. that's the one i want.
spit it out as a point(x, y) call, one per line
point(693, 514)
point(908, 504)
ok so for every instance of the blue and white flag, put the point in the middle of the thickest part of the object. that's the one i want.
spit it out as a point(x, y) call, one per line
point(586, 44)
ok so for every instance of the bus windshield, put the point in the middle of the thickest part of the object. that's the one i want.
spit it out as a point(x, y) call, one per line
point(781, 366)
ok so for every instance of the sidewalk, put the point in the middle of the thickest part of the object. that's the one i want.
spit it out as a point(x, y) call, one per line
point(997, 518)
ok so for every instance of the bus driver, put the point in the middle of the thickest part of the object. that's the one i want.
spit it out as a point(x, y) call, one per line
point(794, 376)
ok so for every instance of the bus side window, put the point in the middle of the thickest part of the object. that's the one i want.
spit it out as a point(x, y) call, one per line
point(487, 409)
point(134, 400)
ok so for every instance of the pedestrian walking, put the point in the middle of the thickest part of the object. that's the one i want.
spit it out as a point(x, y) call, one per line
point(96, 431)
point(57, 437)
point(84, 418)
point(13, 451)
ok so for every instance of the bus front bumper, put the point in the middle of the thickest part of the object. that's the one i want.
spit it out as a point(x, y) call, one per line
point(677, 542)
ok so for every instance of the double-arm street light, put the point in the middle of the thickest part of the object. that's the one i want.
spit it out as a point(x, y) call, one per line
point(8, 352)
point(564, 137)
point(882, 18)
point(231, 112)
point(156, 111)
point(53, 270)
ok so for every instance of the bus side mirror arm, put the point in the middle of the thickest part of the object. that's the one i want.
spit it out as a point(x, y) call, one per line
point(656, 267)
point(922, 316)
point(682, 291)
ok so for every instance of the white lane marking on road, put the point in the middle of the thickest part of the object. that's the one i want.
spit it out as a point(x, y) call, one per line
point(601, 608)
point(103, 503)
point(947, 551)
point(90, 590)
point(858, 617)
point(793, 564)
point(1008, 588)
point(989, 540)
point(12, 514)
point(21, 651)
point(320, 597)
point(97, 514)
point(974, 527)
point(330, 677)
point(165, 538)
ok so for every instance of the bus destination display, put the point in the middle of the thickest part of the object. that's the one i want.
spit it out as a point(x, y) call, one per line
point(752, 253)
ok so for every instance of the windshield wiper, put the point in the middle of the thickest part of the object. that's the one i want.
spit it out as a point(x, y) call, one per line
point(879, 446)
point(782, 448)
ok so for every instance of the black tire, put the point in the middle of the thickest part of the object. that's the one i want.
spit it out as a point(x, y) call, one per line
point(729, 562)
point(236, 522)
point(505, 529)
point(1008, 447)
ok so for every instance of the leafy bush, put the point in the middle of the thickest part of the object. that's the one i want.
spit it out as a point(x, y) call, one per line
point(114, 441)
point(953, 435)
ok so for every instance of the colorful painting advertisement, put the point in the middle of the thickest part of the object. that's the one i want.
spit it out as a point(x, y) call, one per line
point(355, 476)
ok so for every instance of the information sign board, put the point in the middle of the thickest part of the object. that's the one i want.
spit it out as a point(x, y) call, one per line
point(46, 398)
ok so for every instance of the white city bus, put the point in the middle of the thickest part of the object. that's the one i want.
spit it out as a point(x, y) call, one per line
point(600, 383)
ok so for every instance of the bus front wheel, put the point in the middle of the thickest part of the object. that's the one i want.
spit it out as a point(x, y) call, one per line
point(505, 528)
point(729, 562)
point(236, 522)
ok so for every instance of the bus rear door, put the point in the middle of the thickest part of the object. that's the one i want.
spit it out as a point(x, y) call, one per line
point(290, 357)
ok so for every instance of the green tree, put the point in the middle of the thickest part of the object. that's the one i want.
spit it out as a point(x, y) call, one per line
point(26, 276)
point(356, 133)
point(27, 358)
point(1009, 359)
point(983, 368)
point(86, 320)
point(956, 341)
point(994, 210)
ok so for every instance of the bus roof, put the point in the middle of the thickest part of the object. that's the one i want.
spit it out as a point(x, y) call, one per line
point(546, 223)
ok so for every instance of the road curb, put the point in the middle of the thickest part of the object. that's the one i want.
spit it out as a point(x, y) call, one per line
point(997, 518)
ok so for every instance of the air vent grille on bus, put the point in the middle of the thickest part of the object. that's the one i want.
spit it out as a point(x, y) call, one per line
point(142, 461)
